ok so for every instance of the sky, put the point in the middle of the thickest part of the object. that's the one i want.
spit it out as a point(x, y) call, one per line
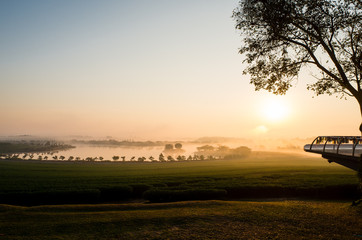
point(145, 70)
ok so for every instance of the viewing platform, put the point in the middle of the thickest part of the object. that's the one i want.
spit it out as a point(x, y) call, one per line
point(344, 150)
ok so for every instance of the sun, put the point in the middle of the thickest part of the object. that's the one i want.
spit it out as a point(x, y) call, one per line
point(275, 110)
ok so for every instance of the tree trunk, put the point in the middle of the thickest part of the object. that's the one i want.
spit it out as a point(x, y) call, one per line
point(359, 174)
point(359, 100)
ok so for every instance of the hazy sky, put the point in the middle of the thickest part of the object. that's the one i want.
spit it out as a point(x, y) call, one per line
point(140, 69)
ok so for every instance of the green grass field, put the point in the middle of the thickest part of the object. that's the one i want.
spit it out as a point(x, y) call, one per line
point(276, 192)
point(259, 176)
point(184, 220)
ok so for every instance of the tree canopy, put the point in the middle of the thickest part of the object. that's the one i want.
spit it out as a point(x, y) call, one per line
point(282, 36)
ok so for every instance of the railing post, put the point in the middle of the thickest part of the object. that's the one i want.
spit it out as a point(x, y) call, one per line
point(310, 148)
point(324, 148)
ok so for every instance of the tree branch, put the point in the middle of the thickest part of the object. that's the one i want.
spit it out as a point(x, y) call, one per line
point(344, 81)
point(316, 62)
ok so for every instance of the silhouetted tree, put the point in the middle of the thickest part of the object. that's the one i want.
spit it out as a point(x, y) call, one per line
point(168, 147)
point(161, 158)
point(223, 148)
point(101, 158)
point(141, 159)
point(123, 158)
point(61, 157)
point(205, 148)
point(282, 36)
point(359, 174)
point(178, 145)
point(71, 158)
point(115, 158)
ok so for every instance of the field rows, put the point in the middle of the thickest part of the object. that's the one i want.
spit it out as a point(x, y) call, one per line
point(259, 176)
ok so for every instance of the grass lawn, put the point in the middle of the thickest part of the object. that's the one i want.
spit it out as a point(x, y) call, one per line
point(184, 220)
point(271, 174)
point(260, 175)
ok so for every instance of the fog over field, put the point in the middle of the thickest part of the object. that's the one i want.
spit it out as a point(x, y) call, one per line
point(123, 119)
point(256, 144)
point(160, 70)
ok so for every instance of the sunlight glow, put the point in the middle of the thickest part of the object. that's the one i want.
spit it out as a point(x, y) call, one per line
point(275, 110)
point(261, 129)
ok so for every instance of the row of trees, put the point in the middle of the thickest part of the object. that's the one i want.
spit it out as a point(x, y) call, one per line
point(161, 158)
point(205, 152)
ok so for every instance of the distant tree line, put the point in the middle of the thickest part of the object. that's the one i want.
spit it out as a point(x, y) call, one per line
point(116, 158)
point(112, 142)
point(46, 150)
point(32, 146)
point(224, 151)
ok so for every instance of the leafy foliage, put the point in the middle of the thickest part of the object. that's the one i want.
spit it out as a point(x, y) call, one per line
point(282, 36)
point(224, 151)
